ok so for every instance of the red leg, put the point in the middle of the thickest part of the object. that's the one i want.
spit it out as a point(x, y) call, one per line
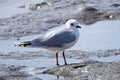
point(64, 58)
point(57, 63)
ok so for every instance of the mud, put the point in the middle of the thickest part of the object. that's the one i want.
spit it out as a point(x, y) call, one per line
point(36, 21)
point(24, 65)
point(11, 72)
point(25, 18)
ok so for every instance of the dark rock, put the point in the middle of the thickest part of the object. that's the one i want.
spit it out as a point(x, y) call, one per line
point(88, 15)
point(115, 5)
point(89, 9)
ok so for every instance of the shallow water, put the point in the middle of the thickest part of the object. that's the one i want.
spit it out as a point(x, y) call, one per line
point(10, 8)
point(33, 64)
point(48, 77)
point(8, 46)
point(106, 59)
point(7, 12)
point(103, 35)
point(39, 62)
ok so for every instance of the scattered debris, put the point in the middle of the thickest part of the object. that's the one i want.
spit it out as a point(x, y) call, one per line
point(36, 6)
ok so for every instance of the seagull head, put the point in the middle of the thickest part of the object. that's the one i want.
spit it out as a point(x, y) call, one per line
point(72, 23)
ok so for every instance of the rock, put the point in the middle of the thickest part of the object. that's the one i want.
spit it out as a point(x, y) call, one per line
point(87, 15)
point(89, 9)
point(69, 70)
point(115, 5)
point(90, 70)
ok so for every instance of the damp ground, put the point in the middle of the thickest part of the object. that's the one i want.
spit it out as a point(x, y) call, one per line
point(96, 56)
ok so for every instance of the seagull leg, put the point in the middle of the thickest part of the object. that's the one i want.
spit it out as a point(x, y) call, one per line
point(57, 63)
point(64, 58)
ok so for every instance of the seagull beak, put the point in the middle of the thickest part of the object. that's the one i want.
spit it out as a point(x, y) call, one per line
point(78, 26)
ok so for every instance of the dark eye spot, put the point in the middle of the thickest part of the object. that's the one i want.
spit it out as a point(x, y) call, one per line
point(71, 24)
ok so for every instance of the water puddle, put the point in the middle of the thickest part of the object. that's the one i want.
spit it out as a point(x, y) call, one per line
point(106, 59)
point(35, 67)
point(51, 77)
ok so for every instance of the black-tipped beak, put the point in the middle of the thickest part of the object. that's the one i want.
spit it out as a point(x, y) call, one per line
point(78, 26)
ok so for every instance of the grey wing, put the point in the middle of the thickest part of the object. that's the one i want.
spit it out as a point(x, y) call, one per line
point(57, 40)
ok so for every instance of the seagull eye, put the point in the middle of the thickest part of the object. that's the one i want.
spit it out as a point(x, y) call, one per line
point(71, 24)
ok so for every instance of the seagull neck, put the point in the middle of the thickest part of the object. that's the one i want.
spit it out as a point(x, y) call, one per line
point(67, 26)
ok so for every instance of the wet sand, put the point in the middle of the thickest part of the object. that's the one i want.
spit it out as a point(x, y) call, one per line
point(35, 21)
point(40, 65)
point(24, 18)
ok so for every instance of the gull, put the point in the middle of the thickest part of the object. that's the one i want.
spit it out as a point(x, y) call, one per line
point(58, 39)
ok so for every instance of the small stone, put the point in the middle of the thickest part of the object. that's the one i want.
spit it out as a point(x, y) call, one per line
point(89, 9)
point(111, 16)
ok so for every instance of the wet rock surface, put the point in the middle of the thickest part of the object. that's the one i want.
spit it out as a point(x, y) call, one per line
point(88, 71)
